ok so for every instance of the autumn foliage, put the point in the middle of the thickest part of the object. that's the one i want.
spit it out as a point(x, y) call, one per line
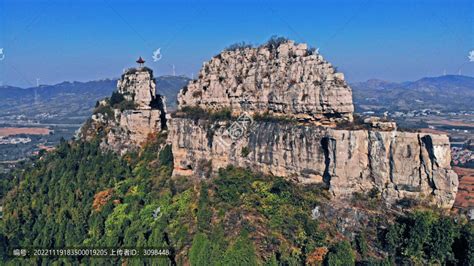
point(317, 256)
point(101, 198)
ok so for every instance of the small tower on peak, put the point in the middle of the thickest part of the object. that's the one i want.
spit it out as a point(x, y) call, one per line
point(140, 62)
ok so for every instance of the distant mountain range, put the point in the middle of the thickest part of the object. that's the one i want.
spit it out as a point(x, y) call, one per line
point(74, 99)
point(69, 100)
point(444, 93)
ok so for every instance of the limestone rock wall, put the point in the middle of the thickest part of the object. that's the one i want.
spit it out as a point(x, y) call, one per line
point(400, 164)
point(288, 80)
point(138, 85)
point(131, 128)
point(125, 130)
point(284, 80)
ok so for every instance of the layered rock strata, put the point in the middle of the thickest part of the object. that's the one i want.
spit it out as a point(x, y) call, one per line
point(307, 146)
point(399, 164)
point(288, 80)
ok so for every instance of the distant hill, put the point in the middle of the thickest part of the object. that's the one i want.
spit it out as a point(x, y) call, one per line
point(76, 99)
point(73, 99)
point(444, 93)
point(68, 102)
point(169, 86)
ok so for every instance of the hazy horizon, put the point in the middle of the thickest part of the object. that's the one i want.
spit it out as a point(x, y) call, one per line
point(56, 41)
point(183, 75)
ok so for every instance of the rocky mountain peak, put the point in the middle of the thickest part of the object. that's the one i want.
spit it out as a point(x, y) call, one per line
point(282, 78)
point(131, 114)
point(138, 85)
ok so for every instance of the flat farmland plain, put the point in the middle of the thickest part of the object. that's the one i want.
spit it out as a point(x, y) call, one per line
point(465, 196)
point(11, 131)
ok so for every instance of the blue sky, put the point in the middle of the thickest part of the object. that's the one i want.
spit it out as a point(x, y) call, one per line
point(59, 41)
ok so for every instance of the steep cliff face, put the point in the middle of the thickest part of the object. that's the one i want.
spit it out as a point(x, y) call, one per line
point(288, 80)
point(399, 164)
point(138, 85)
point(126, 119)
point(285, 80)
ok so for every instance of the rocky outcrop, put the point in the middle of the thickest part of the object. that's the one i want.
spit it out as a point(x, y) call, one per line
point(289, 80)
point(131, 128)
point(399, 164)
point(126, 123)
point(138, 85)
point(319, 143)
point(284, 80)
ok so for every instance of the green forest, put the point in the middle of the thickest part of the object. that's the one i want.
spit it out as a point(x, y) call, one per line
point(80, 196)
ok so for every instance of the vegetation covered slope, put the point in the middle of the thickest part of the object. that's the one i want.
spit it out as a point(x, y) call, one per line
point(79, 196)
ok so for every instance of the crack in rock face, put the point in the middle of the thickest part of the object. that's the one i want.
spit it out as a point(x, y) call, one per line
point(347, 161)
point(310, 138)
point(126, 128)
point(288, 80)
point(291, 82)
